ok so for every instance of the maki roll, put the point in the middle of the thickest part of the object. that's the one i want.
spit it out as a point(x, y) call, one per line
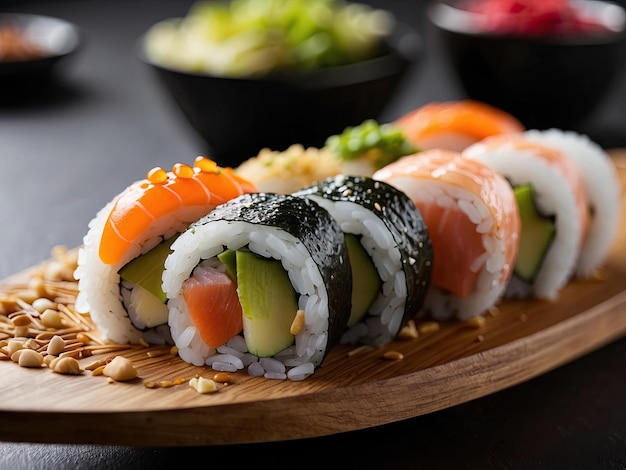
point(390, 254)
point(262, 282)
point(554, 207)
point(121, 259)
point(603, 187)
point(473, 222)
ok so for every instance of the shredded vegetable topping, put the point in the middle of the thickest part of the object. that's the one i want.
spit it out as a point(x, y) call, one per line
point(254, 37)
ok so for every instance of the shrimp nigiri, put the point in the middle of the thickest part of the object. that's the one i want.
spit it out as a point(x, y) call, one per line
point(123, 253)
point(473, 220)
point(454, 125)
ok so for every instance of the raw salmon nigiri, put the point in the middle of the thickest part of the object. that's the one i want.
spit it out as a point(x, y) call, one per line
point(558, 197)
point(166, 202)
point(472, 218)
point(454, 125)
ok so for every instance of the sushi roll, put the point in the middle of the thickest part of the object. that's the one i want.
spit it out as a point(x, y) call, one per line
point(554, 207)
point(454, 125)
point(263, 282)
point(389, 249)
point(603, 187)
point(121, 259)
point(473, 222)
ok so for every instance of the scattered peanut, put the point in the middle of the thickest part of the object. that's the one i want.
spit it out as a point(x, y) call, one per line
point(203, 385)
point(393, 356)
point(29, 358)
point(476, 322)
point(409, 331)
point(66, 366)
point(30, 343)
point(428, 327)
point(42, 304)
point(51, 318)
point(120, 369)
point(222, 377)
point(13, 346)
point(98, 370)
point(56, 345)
point(298, 323)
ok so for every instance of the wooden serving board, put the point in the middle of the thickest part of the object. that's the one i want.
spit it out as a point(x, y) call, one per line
point(455, 364)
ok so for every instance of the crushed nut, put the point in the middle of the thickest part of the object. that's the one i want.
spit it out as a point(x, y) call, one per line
point(393, 356)
point(66, 366)
point(42, 304)
point(51, 318)
point(298, 322)
point(428, 327)
point(222, 377)
point(56, 345)
point(409, 331)
point(120, 369)
point(203, 385)
point(28, 358)
point(476, 322)
point(14, 345)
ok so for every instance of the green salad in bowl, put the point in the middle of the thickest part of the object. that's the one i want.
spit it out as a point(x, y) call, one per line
point(244, 38)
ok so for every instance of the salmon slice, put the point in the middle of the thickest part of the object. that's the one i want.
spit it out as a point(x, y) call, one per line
point(454, 125)
point(213, 305)
point(440, 181)
point(565, 165)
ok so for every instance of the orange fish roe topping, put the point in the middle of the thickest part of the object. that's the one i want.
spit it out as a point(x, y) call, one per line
point(157, 175)
point(205, 164)
point(177, 197)
point(182, 171)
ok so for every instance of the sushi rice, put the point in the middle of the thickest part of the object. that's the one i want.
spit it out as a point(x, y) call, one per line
point(250, 221)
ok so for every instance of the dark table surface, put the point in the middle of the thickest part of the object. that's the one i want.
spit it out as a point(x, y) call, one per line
point(106, 122)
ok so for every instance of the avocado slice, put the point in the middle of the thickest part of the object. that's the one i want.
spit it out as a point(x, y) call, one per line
point(146, 270)
point(536, 236)
point(365, 280)
point(268, 301)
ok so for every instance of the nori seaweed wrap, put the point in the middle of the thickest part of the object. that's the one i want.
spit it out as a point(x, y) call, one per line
point(391, 231)
point(301, 242)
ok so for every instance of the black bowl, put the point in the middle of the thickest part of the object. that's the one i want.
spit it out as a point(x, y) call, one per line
point(56, 37)
point(543, 81)
point(237, 117)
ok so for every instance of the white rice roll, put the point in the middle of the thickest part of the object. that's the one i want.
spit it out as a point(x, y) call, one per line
point(603, 190)
point(473, 221)
point(308, 243)
point(133, 223)
point(393, 233)
point(558, 193)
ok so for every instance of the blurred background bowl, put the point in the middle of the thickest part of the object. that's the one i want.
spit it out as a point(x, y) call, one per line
point(31, 48)
point(544, 81)
point(237, 117)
